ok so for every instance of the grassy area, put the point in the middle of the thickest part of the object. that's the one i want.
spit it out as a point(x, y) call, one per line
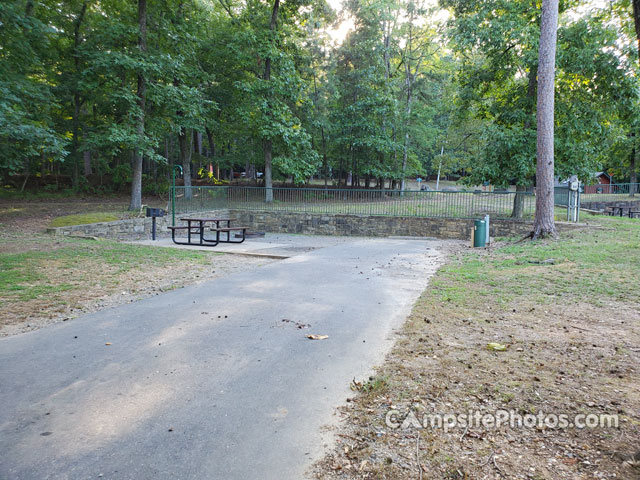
point(602, 264)
point(45, 278)
point(568, 313)
point(73, 262)
point(84, 218)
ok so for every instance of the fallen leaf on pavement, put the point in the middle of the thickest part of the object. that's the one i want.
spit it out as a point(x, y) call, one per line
point(317, 337)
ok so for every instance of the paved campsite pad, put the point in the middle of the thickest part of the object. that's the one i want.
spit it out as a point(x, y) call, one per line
point(277, 245)
point(216, 380)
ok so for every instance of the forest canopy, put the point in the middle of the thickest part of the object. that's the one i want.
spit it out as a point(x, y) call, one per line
point(98, 95)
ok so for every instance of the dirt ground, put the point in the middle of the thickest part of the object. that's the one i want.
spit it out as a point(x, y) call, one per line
point(560, 357)
point(31, 216)
point(88, 284)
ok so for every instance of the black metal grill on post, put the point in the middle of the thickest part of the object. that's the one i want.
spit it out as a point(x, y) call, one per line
point(154, 213)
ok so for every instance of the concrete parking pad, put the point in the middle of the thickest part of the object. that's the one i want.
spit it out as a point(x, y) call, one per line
point(278, 245)
point(216, 380)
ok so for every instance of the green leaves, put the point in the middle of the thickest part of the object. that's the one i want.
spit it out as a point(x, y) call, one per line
point(497, 42)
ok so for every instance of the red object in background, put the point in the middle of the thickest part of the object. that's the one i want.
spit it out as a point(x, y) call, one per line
point(603, 186)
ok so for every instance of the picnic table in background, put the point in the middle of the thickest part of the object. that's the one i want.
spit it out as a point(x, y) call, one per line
point(615, 211)
point(196, 227)
point(622, 211)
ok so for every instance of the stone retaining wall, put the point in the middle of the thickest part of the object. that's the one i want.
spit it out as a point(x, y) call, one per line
point(313, 224)
point(129, 229)
point(378, 226)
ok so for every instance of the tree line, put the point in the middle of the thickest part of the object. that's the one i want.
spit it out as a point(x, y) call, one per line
point(110, 94)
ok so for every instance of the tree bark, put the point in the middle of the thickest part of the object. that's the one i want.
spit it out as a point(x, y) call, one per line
point(633, 174)
point(518, 202)
point(407, 112)
point(325, 164)
point(212, 151)
point(636, 22)
point(185, 160)
point(77, 101)
point(267, 144)
point(408, 81)
point(544, 223)
point(86, 156)
point(136, 181)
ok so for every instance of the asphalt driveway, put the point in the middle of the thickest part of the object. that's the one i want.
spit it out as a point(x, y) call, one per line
point(213, 381)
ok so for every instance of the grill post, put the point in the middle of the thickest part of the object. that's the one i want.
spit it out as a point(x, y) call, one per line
point(154, 213)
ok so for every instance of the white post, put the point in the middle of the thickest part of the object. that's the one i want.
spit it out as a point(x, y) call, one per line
point(486, 222)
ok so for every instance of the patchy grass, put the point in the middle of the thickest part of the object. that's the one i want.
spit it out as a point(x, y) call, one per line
point(53, 278)
point(568, 312)
point(37, 273)
point(85, 218)
point(602, 264)
point(46, 279)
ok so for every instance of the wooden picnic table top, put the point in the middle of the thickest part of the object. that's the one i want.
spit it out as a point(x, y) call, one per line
point(197, 219)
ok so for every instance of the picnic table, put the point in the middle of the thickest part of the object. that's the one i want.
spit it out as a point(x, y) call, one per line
point(622, 212)
point(615, 211)
point(196, 227)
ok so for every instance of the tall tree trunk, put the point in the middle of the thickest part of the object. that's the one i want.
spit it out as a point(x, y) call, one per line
point(633, 174)
point(325, 164)
point(77, 101)
point(185, 159)
point(544, 223)
point(167, 156)
point(75, 154)
point(408, 82)
point(197, 142)
point(136, 181)
point(211, 151)
point(267, 144)
point(86, 156)
point(407, 112)
point(268, 181)
point(518, 202)
point(211, 147)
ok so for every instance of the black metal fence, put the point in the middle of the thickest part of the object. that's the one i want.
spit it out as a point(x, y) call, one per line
point(411, 203)
point(598, 193)
point(610, 192)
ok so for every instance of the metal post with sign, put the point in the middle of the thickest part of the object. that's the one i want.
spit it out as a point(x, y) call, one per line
point(573, 202)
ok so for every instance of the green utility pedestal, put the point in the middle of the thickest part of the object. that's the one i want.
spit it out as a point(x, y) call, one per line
point(480, 233)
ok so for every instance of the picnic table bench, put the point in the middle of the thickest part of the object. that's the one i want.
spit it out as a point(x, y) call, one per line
point(622, 211)
point(196, 227)
point(615, 211)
